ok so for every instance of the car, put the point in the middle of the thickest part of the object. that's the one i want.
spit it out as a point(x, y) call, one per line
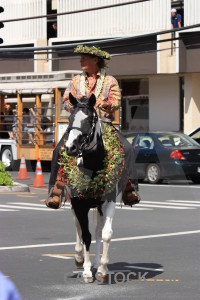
point(195, 134)
point(165, 155)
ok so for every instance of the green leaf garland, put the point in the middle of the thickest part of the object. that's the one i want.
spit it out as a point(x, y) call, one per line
point(105, 181)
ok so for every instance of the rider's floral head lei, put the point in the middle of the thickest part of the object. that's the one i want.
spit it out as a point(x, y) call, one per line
point(94, 51)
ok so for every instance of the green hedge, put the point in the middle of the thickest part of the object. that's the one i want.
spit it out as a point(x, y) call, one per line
point(5, 177)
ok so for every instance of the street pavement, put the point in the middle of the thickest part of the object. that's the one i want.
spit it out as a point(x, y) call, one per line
point(158, 240)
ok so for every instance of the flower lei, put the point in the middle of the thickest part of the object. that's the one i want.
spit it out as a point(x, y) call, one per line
point(99, 84)
point(96, 51)
point(105, 180)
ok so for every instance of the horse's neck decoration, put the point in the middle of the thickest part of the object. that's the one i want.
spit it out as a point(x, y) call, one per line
point(85, 136)
point(101, 167)
point(100, 163)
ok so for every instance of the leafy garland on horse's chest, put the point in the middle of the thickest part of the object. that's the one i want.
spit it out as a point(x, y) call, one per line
point(105, 180)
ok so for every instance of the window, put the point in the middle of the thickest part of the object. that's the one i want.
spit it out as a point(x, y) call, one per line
point(174, 140)
point(145, 142)
point(135, 104)
point(131, 138)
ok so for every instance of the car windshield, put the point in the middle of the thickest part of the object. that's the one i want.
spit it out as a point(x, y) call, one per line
point(175, 140)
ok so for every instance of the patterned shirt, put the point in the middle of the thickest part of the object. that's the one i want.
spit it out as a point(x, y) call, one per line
point(110, 93)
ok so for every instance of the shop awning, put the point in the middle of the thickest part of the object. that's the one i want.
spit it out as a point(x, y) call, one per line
point(32, 87)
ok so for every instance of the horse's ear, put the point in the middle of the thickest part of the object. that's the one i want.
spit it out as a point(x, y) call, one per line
point(72, 99)
point(92, 100)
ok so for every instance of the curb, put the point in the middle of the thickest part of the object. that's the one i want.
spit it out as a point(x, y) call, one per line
point(17, 187)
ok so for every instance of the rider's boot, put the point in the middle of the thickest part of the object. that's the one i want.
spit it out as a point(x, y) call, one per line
point(55, 195)
point(131, 196)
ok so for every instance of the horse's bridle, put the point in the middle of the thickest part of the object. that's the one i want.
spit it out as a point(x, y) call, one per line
point(89, 136)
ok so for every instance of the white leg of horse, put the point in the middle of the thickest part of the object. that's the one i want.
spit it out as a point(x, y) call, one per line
point(98, 236)
point(78, 247)
point(87, 274)
point(108, 214)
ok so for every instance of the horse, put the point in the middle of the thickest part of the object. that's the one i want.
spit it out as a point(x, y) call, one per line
point(85, 141)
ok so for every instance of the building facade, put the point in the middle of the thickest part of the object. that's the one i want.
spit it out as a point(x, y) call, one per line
point(159, 77)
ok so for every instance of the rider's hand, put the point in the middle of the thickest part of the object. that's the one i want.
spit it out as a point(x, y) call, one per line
point(103, 105)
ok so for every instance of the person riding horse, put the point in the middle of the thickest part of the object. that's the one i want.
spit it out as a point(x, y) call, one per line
point(93, 80)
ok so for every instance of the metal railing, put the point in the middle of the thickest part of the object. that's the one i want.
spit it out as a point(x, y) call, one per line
point(40, 130)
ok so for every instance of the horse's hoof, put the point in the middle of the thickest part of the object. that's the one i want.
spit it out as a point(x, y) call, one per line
point(78, 264)
point(88, 279)
point(101, 278)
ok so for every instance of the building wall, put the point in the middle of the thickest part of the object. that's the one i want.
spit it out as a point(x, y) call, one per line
point(14, 32)
point(164, 103)
point(9, 66)
point(125, 20)
point(192, 102)
point(191, 13)
point(118, 65)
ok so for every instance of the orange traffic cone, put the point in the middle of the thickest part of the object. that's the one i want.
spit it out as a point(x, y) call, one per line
point(22, 175)
point(38, 179)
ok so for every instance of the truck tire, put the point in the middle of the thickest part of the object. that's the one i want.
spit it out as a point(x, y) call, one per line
point(7, 157)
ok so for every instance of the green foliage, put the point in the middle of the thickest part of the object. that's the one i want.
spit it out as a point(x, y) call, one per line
point(106, 179)
point(92, 51)
point(5, 177)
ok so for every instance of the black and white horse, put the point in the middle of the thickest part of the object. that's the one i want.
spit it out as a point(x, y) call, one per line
point(85, 140)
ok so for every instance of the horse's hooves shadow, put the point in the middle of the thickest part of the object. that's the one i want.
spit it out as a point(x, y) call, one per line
point(125, 272)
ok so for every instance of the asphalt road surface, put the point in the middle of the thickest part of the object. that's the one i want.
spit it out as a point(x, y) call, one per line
point(157, 240)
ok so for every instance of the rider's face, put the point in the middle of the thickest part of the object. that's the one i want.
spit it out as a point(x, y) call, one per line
point(88, 62)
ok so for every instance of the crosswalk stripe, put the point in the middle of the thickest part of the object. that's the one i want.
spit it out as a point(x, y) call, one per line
point(21, 207)
point(162, 206)
point(132, 208)
point(31, 204)
point(27, 204)
point(1, 209)
point(185, 201)
point(173, 204)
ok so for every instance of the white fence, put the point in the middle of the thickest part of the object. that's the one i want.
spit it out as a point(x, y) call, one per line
point(125, 20)
point(22, 31)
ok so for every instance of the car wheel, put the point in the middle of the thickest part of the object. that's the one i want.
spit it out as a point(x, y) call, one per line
point(195, 179)
point(7, 158)
point(153, 173)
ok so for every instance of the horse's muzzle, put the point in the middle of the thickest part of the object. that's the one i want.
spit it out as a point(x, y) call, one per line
point(72, 150)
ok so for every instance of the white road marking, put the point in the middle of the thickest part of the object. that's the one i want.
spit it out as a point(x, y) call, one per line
point(132, 208)
point(1, 209)
point(185, 201)
point(162, 206)
point(113, 240)
point(58, 256)
point(171, 186)
point(21, 207)
point(33, 204)
point(28, 204)
point(176, 204)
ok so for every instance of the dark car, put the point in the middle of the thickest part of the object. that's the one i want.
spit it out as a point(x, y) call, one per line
point(195, 134)
point(165, 155)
